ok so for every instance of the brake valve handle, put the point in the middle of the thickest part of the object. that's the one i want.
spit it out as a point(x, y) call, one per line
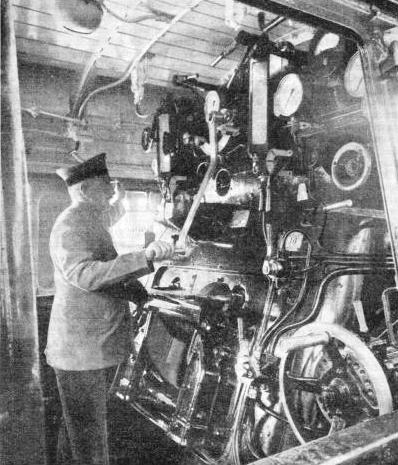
point(337, 206)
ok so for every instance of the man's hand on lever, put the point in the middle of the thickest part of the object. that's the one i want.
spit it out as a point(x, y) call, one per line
point(159, 250)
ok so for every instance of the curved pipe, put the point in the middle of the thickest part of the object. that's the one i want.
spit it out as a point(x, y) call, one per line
point(151, 15)
point(320, 296)
point(100, 50)
point(296, 305)
point(35, 112)
point(137, 59)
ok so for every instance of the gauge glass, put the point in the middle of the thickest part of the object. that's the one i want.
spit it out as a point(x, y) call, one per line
point(288, 95)
point(353, 77)
point(326, 42)
point(294, 241)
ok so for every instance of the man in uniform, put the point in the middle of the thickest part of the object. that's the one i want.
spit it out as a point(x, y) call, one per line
point(89, 325)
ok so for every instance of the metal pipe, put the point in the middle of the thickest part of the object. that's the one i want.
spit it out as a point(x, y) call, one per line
point(22, 438)
point(100, 50)
point(319, 298)
point(301, 342)
point(88, 67)
point(273, 23)
point(266, 335)
point(34, 113)
point(153, 14)
point(137, 59)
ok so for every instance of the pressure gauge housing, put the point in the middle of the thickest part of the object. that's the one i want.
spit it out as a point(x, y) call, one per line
point(288, 95)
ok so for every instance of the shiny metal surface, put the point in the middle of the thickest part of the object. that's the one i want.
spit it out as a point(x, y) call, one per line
point(275, 324)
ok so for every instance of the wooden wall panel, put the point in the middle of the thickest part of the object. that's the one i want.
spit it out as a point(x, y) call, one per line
point(111, 124)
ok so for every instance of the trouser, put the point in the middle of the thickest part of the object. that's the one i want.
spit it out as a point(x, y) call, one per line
point(83, 437)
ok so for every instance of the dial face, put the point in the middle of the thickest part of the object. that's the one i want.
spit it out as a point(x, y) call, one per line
point(353, 77)
point(212, 103)
point(294, 241)
point(327, 41)
point(288, 95)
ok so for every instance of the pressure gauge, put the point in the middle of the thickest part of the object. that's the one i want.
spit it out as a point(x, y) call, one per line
point(325, 41)
point(288, 95)
point(353, 77)
point(294, 241)
point(212, 104)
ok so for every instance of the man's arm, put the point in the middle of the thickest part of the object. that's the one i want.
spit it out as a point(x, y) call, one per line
point(73, 255)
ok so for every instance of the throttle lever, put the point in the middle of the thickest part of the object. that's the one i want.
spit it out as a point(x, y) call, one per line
point(177, 251)
point(336, 206)
point(329, 208)
point(212, 107)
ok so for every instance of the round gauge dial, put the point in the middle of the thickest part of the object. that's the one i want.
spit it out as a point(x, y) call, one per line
point(288, 95)
point(353, 77)
point(326, 41)
point(294, 241)
point(212, 103)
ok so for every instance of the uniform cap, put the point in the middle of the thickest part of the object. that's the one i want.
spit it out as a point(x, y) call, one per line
point(91, 168)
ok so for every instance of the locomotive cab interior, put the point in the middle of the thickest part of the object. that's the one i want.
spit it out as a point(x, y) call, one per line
point(274, 324)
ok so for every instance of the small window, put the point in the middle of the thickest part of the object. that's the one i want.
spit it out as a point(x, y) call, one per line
point(129, 233)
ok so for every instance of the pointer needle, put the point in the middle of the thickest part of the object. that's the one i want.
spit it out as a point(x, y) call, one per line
point(360, 83)
point(288, 99)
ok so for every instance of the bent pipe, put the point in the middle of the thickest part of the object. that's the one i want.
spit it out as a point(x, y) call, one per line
point(318, 301)
point(134, 62)
point(296, 305)
point(302, 342)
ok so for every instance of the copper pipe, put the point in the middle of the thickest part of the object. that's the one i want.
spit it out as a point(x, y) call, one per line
point(137, 59)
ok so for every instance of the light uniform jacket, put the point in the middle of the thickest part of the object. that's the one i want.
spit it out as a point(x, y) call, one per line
point(88, 327)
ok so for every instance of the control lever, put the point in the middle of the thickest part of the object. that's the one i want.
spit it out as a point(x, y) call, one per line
point(337, 206)
point(243, 38)
point(330, 208)
point(177, 251)
point(268, 225)
point(242, 365)
point(272, 154)
point(270, 165)
point(241, 337)
point(212, 107)
point(178, 79)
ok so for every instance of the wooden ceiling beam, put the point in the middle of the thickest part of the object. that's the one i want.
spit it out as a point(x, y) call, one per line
point(32, 52)
point(31, 58)
point(189, 48)
point(43, 42)
point(125, 46)
point(181, 32)
point(106, 66)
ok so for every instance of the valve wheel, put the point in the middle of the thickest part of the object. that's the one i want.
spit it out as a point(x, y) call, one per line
point(329, 387)
point(351, 166)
